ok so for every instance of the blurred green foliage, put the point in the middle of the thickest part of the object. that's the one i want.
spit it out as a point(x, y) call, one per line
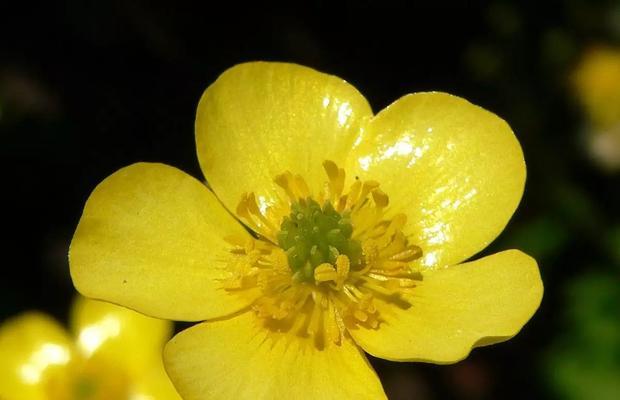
point(584, 360)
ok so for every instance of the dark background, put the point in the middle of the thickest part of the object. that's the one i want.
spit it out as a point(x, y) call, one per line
point(87, 87)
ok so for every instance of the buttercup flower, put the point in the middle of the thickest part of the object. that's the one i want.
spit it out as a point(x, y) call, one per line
point(115, 353)
point(325, 230)
point(596, 81)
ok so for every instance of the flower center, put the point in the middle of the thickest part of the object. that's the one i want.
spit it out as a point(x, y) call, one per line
point(323, 262)
point(88, 379)
point(313, 235)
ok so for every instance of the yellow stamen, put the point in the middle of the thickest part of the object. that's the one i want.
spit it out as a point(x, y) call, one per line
point(313, 280)
point(336, 179)
point(325, 272)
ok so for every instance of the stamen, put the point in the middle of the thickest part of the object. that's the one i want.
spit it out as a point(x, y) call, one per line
point(336, 179)
point(249, 211)
point(381, 199)
point(325, 272)
point(322, 260)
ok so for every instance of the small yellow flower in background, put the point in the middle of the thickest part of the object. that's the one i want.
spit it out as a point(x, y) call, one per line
point(328, 230)
point(596, 81)
point(111, 353)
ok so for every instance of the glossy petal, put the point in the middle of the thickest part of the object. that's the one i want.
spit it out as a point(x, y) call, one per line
point(110, 332)
point(454, 309)
point(455, 169)
point(152, 238)
point(237, 359)
point(33, 347)
point(260, 119)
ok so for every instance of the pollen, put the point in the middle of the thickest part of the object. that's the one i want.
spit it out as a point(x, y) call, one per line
point(321, 260)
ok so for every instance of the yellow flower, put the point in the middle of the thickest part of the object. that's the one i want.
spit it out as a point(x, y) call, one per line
point(597, 83)
point(115, 353)
point(358, 225)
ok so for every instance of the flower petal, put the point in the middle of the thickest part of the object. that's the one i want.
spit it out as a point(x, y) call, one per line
point(240, 359)
point(454, 309)
point(107, 331)
point(152, 238)
point(154, 385)
point(33, 347)
point(260, 119)
point(455, 169)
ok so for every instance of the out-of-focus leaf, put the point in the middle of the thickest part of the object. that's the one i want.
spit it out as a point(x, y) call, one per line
point(542, 238)
point(574, 377)
point(504, 18)
point(593, 311)
point(483, 61)
point(575, 205)
point(613, 245)
point(584, 362)
point(557, 49)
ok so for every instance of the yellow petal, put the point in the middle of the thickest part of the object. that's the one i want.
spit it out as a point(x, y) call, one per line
point(111, 333)
point(152, 238)
point(155, 385)
point(238, 359)
point(455, 169)
point(33, 347)
point(454, 309)
point(260, 119)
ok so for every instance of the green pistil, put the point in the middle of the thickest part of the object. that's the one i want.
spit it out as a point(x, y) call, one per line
point(312, 235)
point(85, 388)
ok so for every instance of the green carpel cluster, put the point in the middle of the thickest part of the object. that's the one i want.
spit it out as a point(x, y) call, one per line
point(312, 235)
